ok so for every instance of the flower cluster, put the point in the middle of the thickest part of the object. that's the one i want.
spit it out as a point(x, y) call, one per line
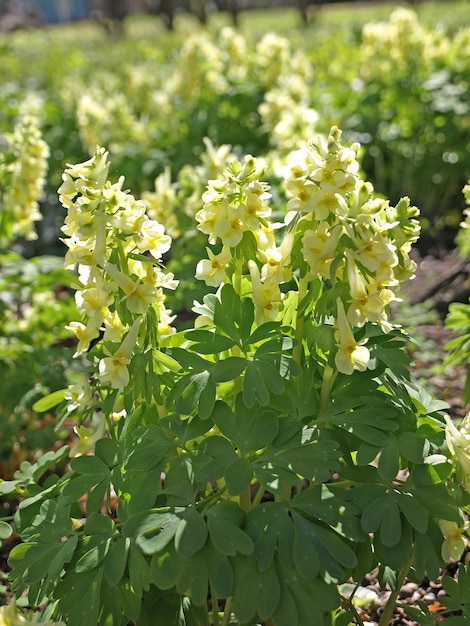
point(463, 236)
point(23, 169)
point(336, 231)
point(399, 47)
point(116, 249)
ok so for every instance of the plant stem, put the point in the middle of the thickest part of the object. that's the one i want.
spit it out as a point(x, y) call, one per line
point(329, 376)
point(245, 499)
point(215, 608)
point(299, 324)
point(391, 602)
point(227, 612)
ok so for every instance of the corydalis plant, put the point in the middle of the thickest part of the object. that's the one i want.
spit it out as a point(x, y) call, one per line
point(23, 168)
point(239, 471)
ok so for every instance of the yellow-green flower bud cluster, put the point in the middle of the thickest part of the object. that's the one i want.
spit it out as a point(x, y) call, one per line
point(116, 249)
point(23, 168)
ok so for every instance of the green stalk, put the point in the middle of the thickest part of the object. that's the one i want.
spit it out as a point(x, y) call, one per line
point(299, 323)
point(392, 600)
point(215, 608)
point(329, 375)
point(227, 612)
point(245, 499)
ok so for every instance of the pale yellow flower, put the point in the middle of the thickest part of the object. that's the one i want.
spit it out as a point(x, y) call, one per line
point(11, 616)
point(138, 295)
point(319, 247)
point(88, 436)
point(267, 296)
point(458, 442)
point(152, 238)
point(84, 333)
point(351, 355)
point(213, 270)
point(114, 329)
point(95, 301)
point(113, 368)
point(454, 539)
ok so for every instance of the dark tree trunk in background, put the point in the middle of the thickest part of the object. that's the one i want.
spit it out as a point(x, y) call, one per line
point(116, 11)
point(165, 9)
point(199, 9)
point(232, 7)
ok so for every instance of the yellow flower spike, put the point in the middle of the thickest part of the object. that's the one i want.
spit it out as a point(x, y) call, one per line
point(113, 368)
point(351, 355)
point(454, 539)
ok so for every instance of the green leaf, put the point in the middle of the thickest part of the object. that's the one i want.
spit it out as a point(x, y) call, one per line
point(79, 597)
point(305, 555)
point(139, 570)
point(207, 399)
point(270, 527)
point(207, 342)
point(49, 401)
point(148, 449)
point(272, 379)
point(96, 548)
point(412, 446)
point(78, 487)
point(313, 460)
point(50, 524)
point(224, 522)
point(161, 359)
point(153, 529)
point(256, 593)
point(114, 564)
point(414, 512)
point(220, 571)
point(192, 387)
point(165, 567)
point(254, 387)
point(90, 464)
point(5, 530)
point(194, 578)
point(389, 460)
point(191, 533)
point(238, 475)
point(383, 513)
point(262, 332)
point(216, 453)
point(368, 423)
point(228, 369)
point(248, 429)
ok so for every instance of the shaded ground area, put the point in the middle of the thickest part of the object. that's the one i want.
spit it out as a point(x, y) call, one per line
point(440, 280)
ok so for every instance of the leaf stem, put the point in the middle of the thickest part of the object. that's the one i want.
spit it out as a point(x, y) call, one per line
point(392, 600)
